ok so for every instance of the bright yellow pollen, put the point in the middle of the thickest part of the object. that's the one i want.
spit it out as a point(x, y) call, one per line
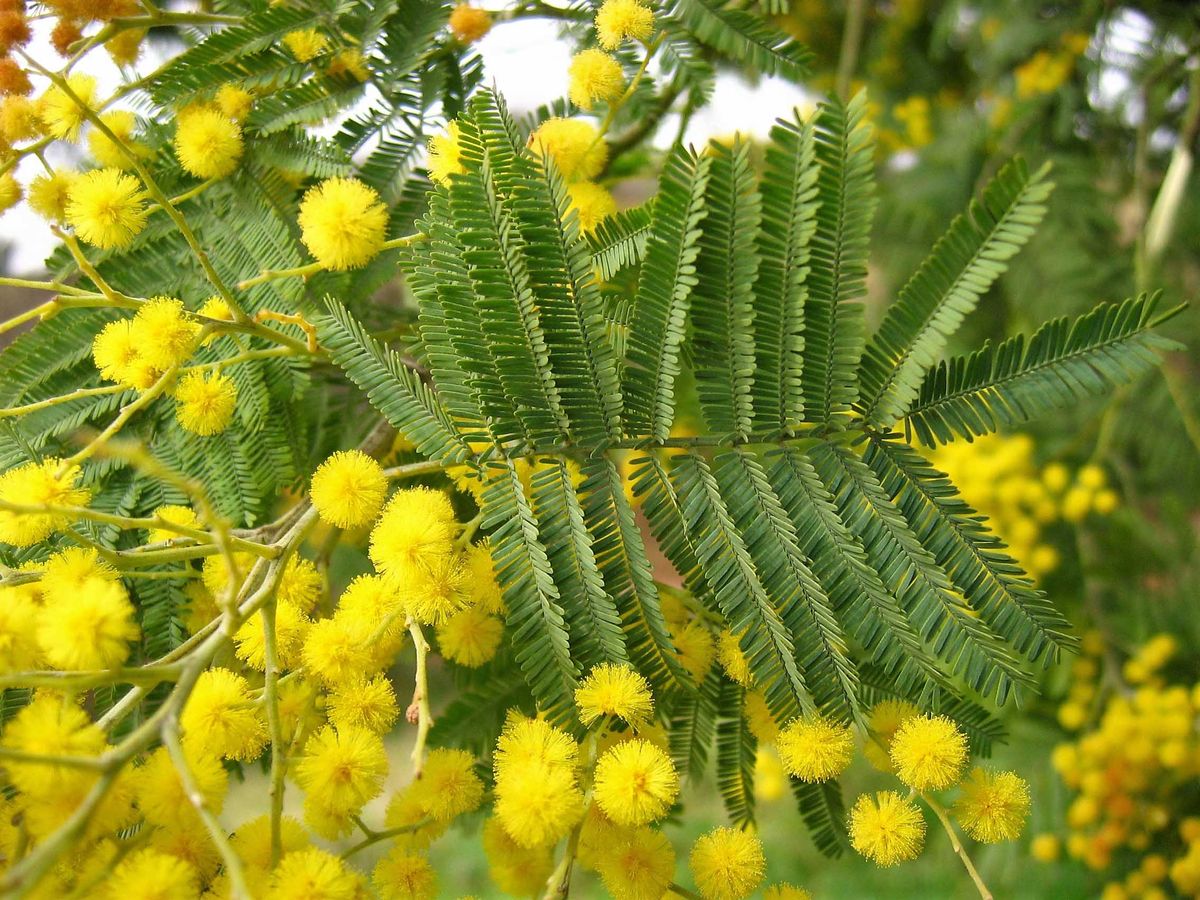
point(614, 690)
point(591, 203)
point(205, 403)
point(595, 77)
point(348, 489)
point(575, 146)
point(622, 20)
point(469, 23)
point(993, 806)
point(63, 114)
point(929, 752)
point(636, 783)
point(38, 485)
point(48, 194)
point(727, 864)
point(306, 44)
point(107, 151)
point(815, 749)
point(107, 208)
point(343, 223)
point(886, 828)
point(208, 143)
point(445, 155)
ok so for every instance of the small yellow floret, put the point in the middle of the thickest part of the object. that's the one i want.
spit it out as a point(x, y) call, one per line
point(733, 660)
point(91, 629)
point(44, 484)
point(470, 637)
point(64, 114)
point(221, 717)
point(117, 355)
point(595, 77)
point(368, 703)
point(622, 20)
point(342, 223)
point(107, 151)
point(208, 143)
point(234, 101)
point(445, 155)
point(306, 44)
point(348, 489)
point(886, 828)
point(107, 208)
point(291, 628)
point(19, 119)
point(575, 146)
point(815, 749)
point(786, 891)
point(469, 23)
point(640, 863)
point(161, 795)
point(314, 873)
point(342, 769)
point(150, 873)
point(537, 803)
point(176, 515)
point(417, 528)
point(533, 742)
point(929, 752)
point(993, 806)
point(636, 783)
point(164, 333)
point(591, 203)
point(205, 403)
point(517, 870)
point(450, 786)
point(614, 690)
point(405, 875)
point(10, 192)
point(48, 194)
point(727, 864)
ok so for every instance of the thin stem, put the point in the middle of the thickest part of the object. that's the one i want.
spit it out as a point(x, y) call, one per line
point(851, 41)
point(615, 107)
point(374, 837)
point(275, 727)
point(419, 712)
point(956, 844)
point(80, 394)
point(681, 891)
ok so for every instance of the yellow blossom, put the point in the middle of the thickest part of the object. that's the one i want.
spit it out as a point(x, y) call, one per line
point(614, 690)
point(48, 485)
point(886, 828)
point(348, 489)
point(208, 143)
point(622, 20)
point(306, 44)
point(445, 155)
point(993, 806)
point(727, 864)
point(595, 77)
point(343, 223)
point(107, 208)
point(929, 752)
point(469, 23)
point(575, 146)
point(591, 203)
point(636, 783)
point(205, 403)
point(815, 749)
point(64, 111)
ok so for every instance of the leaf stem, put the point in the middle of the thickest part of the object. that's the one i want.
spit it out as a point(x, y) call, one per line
point(959, 850)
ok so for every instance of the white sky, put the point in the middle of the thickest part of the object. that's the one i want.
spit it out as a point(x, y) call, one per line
point(525, 59)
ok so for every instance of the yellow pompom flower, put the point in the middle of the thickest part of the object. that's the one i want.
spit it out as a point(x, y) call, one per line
point(408, 808)
point(533, 742)
point(208, 143)
point(342, 769)
point(160, 794)
point(234, 101)
point(205, 403)
point(19, 119)
point(469, 23)
point(252, 840)
point(595, 77)
point(291, 628)
point(50, 726)
point(176, 515)
point(368, 703)
point(434, 591)
point(19, 650)
point(622, 20)
point(481, 570)
point(342, 223)
point(149, 873)
point(117, 355)
point(592, 204)
point(301, 584)
point(48, 194)
point(445, 155)
point(349, 62)
point(575, 146)
point(306, 44)
point(885, 717)
point(10, 192)
point(405, 875)
point(316, 874)
point(993, 806)
point(71, 572)
point(516, 870)
point(109, 152)
point(64, 114)
point(636, 783)
point(537, 803)
point(785, 891)
point(814, 749)
point(886, 828)
point(614, 690)
point(641, 864)
point(759, 717)
point(470, 637)
point(88, 630)
point(929, 752)
point(348, 489)
point(107, 208)
point(449, 784)
point(416, 528)
point(727, 864)
point(221, 717)
point(1046, 848)
point(694, 644)
point(40, 484)
point(336, 649)
point(733, 660)
point(164, 332)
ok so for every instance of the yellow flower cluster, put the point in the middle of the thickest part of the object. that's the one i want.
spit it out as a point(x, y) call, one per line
point(1000, 477)
point(343, 223)
point(1048, 70)
point(1129, 773)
